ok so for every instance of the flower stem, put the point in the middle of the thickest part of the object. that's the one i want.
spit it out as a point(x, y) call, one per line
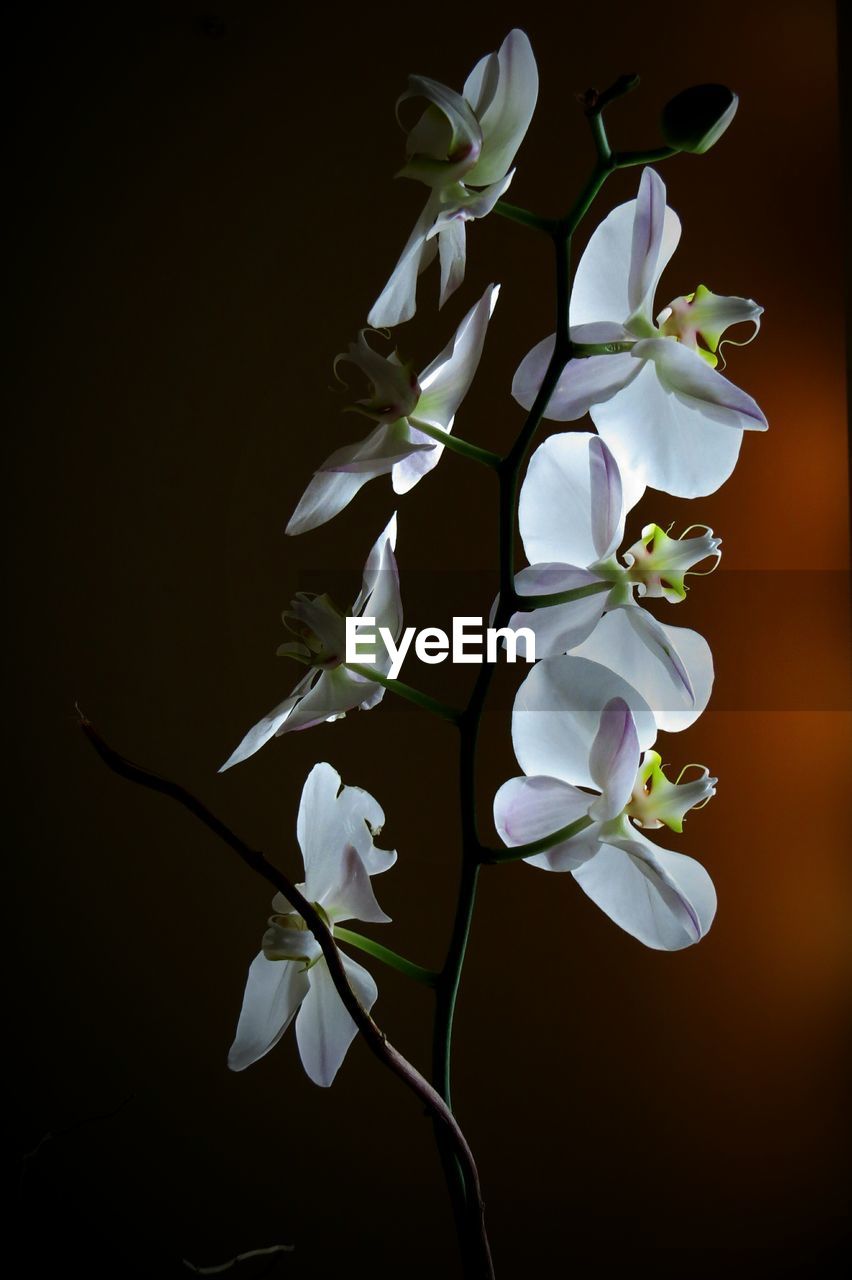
point(403, 690)
point(626, 159)
point(541, 845)
point(428, 977)
point(526, 603)
point(457, 445)
point(532, 220)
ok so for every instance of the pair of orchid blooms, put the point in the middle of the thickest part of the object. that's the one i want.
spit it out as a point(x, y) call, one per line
point(611, 676)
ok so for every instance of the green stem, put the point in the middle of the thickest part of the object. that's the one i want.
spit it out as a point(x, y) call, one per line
point(457, 445)
point(526, 603)
point(541, 845)
point(411, 970)
point(626, 159)
point(515, 214)
point(403, 690)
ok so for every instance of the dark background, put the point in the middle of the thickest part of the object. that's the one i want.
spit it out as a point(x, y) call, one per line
point(203, 211)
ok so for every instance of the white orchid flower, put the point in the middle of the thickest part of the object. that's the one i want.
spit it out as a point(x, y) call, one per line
point(330, 689)
point(575, 726)
point(401, 404)
point(571, 514)
point(657, 399)
point(290, 977)
point(462, 147)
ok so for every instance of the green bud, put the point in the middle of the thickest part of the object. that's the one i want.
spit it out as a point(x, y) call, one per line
point(695, 119)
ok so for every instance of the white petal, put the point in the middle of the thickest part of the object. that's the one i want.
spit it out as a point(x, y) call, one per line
point(446, 381)
point(666, 900)
point(555, 509)
point(348, 469)
point(397, 303)
point(452, 252)
point(557, 714)
point(336, 692)
point(319, 830)
point(428, 146)
point(559, 627)
point(380, 597)
point(364, 818)
point(270, 725)
point(666, 439)
point(527, 809)
point(408, 471)
point(656, 231)
point(601, 284)
point(503, 98)
point(695, 382)
point(606, 499)
point(350, 895)
point(583, 382)
point(614, 759)
point(618, 645)
point(324, 1030)
point(274, 991)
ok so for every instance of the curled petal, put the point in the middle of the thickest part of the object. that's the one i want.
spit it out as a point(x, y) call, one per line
point(440, 151)
point(274, 991)
point(324, 1029)
point(527, 809)
point(502, 89)
point(606, 499)
point(656, 232)
point(666, 900)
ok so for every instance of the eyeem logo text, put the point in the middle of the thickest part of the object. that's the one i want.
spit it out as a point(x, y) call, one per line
point(433, 645)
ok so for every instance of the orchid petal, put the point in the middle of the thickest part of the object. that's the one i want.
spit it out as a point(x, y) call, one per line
point(397, 301)
point(446, 381)
point(274, 991)
point(614, 759)
point(502, 90)
point(349, 895)
point(452, 251)
point(380, 595)
point(376, 561)
point(620, 642)
point(362, 818)
point(560, 627)
point(666, 900)
point(324, 1029)
point(556, 506)
point(557, 714)
point(667, 440)
point(601, 289)
point(270, 724)
point(527, 809)
point(437, 156)
point(694, 381)
point(607, 507)
point(583, 382)
point(347, 470)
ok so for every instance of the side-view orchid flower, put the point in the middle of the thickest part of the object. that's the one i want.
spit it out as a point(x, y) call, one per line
point(401, 404)
point(289, 977)
point(329, 689)
point(652, 389)
point(462, 148)
point(571, 515)
point(666, 900)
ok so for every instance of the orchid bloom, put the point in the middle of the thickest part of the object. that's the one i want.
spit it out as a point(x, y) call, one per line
point(330, 689)
point(656, 398)
point(571, 514)
point(575, 726)
point(462, 148)
point(290, 977)
point(400, 404)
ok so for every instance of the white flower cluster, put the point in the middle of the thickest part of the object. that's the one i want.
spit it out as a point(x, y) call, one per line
point(610, 676)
